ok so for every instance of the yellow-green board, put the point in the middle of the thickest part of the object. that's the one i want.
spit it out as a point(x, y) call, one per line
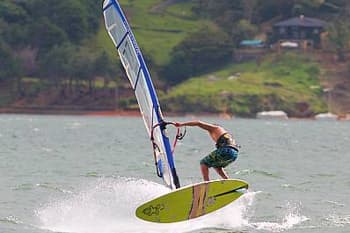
point(192, 201)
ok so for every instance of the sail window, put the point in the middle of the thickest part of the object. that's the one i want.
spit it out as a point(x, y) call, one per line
point(114, 25)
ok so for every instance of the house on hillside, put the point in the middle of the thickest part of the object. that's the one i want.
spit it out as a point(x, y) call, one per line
point(299, 32)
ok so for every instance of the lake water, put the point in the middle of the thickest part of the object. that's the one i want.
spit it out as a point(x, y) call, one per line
point(88, 174)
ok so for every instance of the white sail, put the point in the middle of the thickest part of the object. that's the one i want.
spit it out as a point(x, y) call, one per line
point(139, 77)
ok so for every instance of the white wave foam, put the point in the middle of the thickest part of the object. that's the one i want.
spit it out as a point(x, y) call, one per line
point(52, 187)
point(109, 206)
point(334, 203)
point(292, 218)
point(105, 206)
point(231, 217)
point(11, 219)
point(338, 220)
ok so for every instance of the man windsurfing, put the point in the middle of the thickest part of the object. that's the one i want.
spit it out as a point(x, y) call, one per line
point(225, 153)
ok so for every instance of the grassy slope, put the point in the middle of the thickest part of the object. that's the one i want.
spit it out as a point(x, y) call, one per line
point(280, 82)
point(156, 33)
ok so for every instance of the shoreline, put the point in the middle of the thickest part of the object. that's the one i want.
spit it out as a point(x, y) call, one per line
point(102, 112)
point(132, 113)
point(67, 111)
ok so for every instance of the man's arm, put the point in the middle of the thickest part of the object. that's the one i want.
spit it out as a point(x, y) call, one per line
point(201, 124)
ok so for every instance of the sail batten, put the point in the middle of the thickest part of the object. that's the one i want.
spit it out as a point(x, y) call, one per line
point(140, 80)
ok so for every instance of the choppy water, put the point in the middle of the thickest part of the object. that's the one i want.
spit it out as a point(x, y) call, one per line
point(88, 174)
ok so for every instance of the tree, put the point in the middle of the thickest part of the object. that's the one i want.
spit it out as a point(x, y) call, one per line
point(200, 52)
point(243, 30)
point(84, 68)
point(269, 9)
point(73, 19)
point(106, 68)
point(93, 16)
point(223, 12)
point(16, 35)
point(56, 64)
point(12, 12)
point(339, 35)
point(10, 67)
point(249, 7)
point(70, 16)
point(46, 35)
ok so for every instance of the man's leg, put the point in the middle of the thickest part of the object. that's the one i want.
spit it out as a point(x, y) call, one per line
point(221, 172)
point(205, 172)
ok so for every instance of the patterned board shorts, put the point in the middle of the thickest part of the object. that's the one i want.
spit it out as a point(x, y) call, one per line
point(220, 157)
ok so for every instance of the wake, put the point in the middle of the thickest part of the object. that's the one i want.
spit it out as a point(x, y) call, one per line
point(108, 206)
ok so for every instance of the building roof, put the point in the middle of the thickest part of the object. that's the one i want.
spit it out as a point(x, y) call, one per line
point(301, 21)
point(251, 43)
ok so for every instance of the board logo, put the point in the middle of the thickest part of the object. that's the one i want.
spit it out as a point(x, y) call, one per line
point(153, 210)
point(211, 201)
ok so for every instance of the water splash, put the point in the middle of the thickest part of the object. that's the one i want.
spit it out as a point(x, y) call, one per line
point(108, 205)
point(104, 206)
point(337, 220)
point(334, 203)
point(291, 218)
point(53, 187)
point(11, 219)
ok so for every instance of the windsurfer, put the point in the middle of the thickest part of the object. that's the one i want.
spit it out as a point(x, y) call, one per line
point(226, 148)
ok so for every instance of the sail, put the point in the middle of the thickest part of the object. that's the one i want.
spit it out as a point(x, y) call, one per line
point(139, 77)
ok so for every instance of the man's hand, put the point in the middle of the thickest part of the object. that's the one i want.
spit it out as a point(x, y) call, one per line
point(177, 124)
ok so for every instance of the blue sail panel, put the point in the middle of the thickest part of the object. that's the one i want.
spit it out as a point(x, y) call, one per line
point(140, 80)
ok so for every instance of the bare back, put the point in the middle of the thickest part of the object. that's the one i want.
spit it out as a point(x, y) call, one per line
point(216, 132)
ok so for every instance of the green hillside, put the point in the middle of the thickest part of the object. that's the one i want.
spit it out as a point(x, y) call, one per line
point(287, 82)
point(157, 32)
point(67, 58)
